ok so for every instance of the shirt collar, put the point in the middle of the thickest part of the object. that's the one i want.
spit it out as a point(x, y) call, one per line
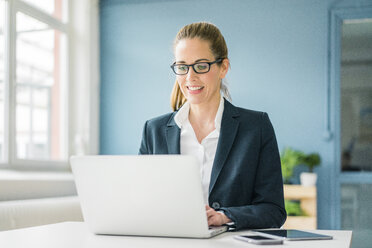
point(182, 116)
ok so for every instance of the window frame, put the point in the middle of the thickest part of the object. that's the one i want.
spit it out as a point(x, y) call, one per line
point(87, 132)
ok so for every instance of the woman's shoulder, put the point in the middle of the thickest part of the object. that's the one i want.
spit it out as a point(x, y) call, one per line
point(161, 120)
point(252, 119)
point(251, 112)
point(246, 113)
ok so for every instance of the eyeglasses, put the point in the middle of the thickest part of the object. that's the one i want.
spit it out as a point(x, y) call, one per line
point(200, 67)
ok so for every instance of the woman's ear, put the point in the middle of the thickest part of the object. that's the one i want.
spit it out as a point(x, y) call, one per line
point(224, 68)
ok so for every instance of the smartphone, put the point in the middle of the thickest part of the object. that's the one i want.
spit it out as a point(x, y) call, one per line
point(259, 239)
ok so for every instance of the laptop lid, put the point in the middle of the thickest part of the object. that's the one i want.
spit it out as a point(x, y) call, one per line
point(147, 195)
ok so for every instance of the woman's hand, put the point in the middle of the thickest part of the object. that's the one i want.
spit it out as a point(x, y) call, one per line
point(216, 218)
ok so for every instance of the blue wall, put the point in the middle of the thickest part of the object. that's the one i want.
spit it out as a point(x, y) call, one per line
point(278, 55)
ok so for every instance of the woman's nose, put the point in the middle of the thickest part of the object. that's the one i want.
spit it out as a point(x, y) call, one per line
point(191, 74)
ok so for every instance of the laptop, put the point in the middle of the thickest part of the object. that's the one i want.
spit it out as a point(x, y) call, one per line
point(142, 195)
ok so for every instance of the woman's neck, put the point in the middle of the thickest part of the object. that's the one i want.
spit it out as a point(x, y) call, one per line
point(203, 115)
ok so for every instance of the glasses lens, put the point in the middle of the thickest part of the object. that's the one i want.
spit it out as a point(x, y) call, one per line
point(180, 69)
point(201, 67)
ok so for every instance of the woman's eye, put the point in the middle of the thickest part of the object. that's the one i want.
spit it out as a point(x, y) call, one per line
point(201, 67)
point(182, 68)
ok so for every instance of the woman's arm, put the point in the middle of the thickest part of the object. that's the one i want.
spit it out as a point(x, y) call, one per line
point(143, 148)
point(267, 206)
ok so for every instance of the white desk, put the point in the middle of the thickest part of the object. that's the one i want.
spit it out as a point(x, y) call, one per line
point(76, 234)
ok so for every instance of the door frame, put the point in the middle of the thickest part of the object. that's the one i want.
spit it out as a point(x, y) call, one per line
point(333, 100)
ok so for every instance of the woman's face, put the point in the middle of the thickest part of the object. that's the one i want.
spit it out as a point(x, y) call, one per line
point(199, 88)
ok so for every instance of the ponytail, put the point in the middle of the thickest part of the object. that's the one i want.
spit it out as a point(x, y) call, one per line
point(177, 98)
point(225, 89)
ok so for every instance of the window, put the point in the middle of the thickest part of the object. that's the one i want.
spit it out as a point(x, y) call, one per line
point(48, 82)
point(2, 78)
point(33, 84)
point(39, 92)
point(56, 8)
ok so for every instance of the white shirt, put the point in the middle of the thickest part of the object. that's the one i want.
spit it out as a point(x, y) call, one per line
point(204, 151)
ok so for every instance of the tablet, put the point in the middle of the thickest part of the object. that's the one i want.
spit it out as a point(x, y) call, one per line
point(292, 234)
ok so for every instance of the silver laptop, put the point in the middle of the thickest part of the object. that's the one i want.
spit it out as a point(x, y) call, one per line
point(145, 195)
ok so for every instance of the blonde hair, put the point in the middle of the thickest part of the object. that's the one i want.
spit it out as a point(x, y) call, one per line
point(207, 32)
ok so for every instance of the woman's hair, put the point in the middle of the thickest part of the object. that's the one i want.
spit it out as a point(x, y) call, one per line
point(207, 32)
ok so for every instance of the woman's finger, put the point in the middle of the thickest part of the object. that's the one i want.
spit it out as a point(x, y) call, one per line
point(210, 213)
point(214, 221)
point(211, 221)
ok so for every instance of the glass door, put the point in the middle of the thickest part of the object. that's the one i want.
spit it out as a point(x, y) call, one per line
point(355, 171)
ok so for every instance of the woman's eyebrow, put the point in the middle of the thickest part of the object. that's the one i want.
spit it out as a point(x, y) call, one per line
point(196, 61)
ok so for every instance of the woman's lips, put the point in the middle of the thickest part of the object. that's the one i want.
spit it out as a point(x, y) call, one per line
point(194, 89)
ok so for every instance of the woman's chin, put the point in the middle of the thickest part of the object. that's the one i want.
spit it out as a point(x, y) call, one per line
point(195, 100)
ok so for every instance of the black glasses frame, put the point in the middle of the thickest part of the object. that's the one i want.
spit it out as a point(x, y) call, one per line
point(193, 66)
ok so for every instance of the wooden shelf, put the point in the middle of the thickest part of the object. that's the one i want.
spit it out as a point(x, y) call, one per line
point(300, 222)
point(307, 197)
point(294, 192)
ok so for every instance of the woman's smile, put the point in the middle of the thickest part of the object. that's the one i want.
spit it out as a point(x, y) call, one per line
point(195, 89)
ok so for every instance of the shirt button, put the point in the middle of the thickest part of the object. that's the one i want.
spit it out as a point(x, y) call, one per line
point(216, 205)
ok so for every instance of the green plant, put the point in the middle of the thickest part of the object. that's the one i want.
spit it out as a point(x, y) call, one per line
point(311, 161)
point(293, 208)
point(289, 159)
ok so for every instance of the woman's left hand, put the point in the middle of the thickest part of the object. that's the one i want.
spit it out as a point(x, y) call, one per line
point(216, 218)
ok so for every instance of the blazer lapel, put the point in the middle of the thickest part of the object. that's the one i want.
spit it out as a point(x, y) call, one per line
point(173, 133)
point(228, 131)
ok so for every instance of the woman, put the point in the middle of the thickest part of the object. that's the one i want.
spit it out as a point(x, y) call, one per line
point(236, 148)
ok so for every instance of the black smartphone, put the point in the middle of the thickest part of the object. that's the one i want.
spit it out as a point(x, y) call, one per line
point(259, 239)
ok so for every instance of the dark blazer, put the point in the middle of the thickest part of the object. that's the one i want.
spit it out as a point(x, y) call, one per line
point(246, 181)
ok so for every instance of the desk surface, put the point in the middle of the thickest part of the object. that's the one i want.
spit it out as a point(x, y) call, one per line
point(76, 234)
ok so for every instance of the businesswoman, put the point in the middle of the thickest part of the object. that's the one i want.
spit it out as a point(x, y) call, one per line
point(236, 148)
